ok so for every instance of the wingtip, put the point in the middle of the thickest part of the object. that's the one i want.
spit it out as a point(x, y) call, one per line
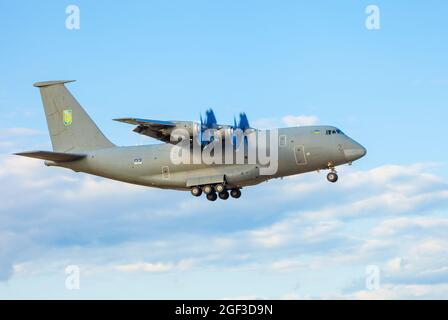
point(122, 119)
point(22, 153)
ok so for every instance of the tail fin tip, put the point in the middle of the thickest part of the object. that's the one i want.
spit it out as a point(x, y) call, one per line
point(51, 83)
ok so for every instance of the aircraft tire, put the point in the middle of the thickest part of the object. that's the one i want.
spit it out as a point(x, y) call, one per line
point(223, 195)
point(196, 191)
point(332, 177)
point(212, 196)
point(235, 193)
point(220, 188)
point(207, 189)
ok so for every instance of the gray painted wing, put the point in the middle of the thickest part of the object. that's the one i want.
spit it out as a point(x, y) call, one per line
point(157, 129)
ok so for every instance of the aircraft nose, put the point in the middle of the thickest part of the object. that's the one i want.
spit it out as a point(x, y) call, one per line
point(354, 152)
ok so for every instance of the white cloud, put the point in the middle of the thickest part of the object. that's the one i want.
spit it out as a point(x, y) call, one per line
point(292, 121)
point(146, 267)
point(391, 291)
point(272, 236)
point(89, 188)
point(300, 223)
point(361, 193)
point(183, 264)
point(392, 226)
point(289, 121)
point(266, 123)
point(404, 178)
point(395, 264)
point(288, 264)
point(431, 246)
point(16, 132)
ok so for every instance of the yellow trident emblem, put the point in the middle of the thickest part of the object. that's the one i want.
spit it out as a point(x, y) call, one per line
point(67, 117)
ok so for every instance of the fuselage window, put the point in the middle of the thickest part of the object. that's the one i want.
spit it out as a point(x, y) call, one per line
point(330, 132)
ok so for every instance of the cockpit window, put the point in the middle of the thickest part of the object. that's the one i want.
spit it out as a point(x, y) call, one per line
point(337, 131)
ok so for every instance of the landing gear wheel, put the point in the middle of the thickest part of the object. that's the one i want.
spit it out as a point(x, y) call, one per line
point(207, 189)
point(332, 177)
point(223, 195)
point(235, 193)
point(220, 188)
point(212, 196)
point(196, 191)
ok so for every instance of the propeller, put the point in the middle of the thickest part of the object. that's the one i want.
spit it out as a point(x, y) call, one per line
point(209, 123)
point(210, 119)
point(243, 124)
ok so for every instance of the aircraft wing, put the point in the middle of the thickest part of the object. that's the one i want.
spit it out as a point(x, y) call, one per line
point(157, 129)
point(161, 130)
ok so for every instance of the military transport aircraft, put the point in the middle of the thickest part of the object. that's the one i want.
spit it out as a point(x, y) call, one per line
point(79, 145)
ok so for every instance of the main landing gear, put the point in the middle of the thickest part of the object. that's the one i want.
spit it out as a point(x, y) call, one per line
point(212, 192)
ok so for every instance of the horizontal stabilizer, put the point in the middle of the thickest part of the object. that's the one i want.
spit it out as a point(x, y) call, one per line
point(52, 156)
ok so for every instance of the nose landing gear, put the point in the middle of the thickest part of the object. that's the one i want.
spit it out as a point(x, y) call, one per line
point(332, 176)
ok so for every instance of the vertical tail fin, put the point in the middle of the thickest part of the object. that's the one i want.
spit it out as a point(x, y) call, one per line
point(71, 129)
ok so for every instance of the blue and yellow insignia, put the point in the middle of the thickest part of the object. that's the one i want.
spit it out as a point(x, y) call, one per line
point(316, 132)
point(67, 117)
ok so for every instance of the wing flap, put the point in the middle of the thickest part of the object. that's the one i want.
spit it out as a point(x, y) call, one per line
point(52, 156)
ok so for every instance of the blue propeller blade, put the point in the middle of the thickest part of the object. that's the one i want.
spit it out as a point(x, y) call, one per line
point(244, 122)
point(210, 119)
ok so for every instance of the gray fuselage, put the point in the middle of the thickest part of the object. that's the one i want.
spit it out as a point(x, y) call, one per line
point(300, 149)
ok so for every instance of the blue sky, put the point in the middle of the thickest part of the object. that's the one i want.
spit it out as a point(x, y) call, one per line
point(296, 238)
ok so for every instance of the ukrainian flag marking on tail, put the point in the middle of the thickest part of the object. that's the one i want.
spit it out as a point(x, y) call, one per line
point(67, 117)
